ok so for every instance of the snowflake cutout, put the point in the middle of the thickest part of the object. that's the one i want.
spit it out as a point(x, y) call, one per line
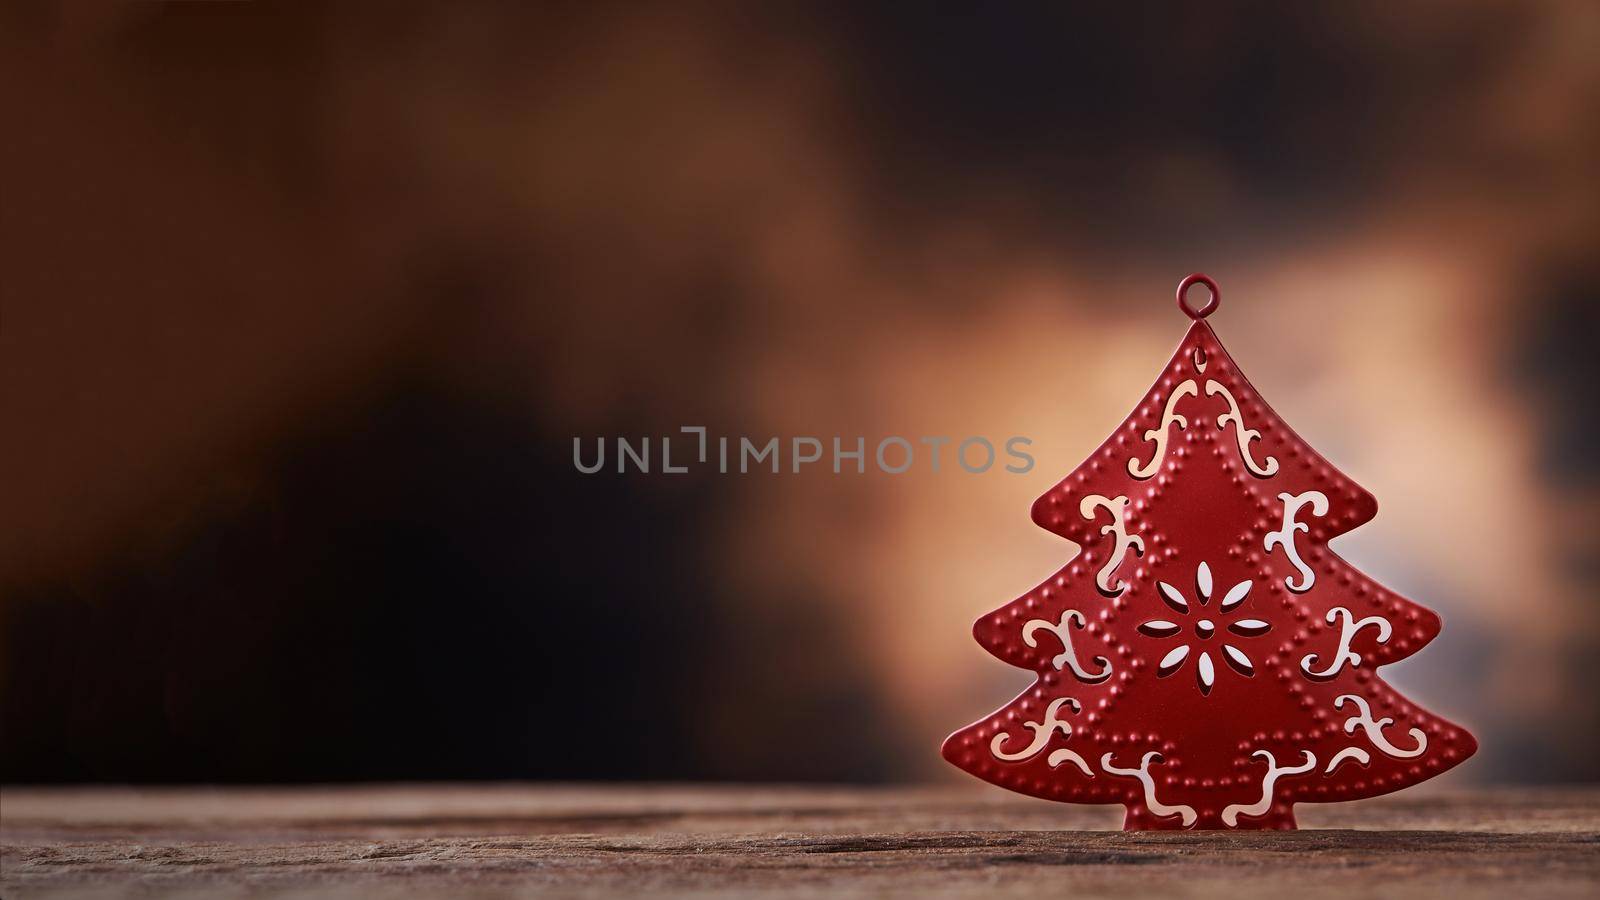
point(1204, 630)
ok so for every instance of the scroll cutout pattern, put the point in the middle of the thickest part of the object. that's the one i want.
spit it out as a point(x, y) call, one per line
point(1230, 814)
point(1068, 656)
point(1041, 731)
point(1374, 728)
point(1348, 629)
point(1142, 773)
point(1121, 540)
point(1160, 433)
point(1356, 753)
point(1243, 434)
point(1284, 536)
point(1057, 757)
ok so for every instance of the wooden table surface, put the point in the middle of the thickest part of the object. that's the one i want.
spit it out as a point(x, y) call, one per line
point(508, 840)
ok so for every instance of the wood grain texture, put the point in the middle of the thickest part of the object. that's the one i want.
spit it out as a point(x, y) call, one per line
point(509, 840)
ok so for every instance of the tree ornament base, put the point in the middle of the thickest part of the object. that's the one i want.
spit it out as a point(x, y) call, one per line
point(1279, 818)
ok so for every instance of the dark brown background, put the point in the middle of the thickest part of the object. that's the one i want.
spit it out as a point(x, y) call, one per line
point(303, 305)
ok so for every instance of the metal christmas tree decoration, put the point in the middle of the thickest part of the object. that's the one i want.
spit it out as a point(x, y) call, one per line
point(1206, 661)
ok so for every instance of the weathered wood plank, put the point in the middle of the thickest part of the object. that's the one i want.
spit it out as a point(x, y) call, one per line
point(499, 839)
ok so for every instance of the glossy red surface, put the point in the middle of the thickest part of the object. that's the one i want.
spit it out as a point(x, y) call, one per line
point(1296, 699)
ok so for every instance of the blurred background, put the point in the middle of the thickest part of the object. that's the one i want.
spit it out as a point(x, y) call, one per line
point(304, 304)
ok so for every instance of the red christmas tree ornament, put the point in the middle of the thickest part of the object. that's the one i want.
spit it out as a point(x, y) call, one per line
point(1206, 661)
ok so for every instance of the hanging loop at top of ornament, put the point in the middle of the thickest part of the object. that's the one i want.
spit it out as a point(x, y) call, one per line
point(1210, 305)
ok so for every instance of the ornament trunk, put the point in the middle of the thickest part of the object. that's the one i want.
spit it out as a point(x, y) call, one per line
point(1206, 660)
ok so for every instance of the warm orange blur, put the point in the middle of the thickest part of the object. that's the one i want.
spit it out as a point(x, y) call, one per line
point(228, 228)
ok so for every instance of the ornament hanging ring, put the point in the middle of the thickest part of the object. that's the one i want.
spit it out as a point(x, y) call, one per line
point(1210, 305)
